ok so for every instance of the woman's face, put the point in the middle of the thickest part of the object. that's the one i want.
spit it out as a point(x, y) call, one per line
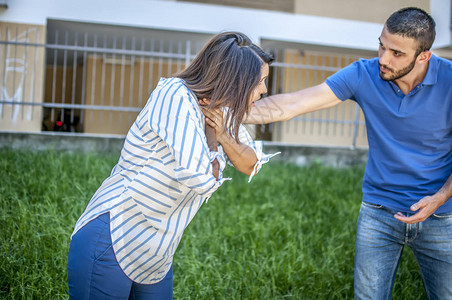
point(261, 87)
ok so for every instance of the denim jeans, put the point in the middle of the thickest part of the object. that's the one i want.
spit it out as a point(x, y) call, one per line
point(94, 273)
point(380, 239)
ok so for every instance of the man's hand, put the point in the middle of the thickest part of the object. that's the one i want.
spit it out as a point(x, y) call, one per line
point(426, 206)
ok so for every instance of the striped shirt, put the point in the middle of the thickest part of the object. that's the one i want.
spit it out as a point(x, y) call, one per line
point(163, 176)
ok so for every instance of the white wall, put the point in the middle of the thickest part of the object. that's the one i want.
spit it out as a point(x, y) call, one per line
point(199, 18)
point(441, 12)
point(182, 16)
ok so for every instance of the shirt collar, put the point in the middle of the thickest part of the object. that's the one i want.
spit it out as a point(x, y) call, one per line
point(432, 72)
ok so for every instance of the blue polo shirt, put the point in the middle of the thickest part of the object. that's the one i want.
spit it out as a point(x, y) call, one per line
point(409, 136)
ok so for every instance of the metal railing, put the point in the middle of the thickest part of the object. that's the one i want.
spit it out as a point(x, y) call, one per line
point(295, 70)
point(93, 83)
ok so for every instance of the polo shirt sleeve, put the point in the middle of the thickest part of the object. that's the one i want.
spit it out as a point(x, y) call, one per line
point(173, 118)
point(345, 82)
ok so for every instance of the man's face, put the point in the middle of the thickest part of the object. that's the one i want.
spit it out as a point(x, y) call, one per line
point(396, 55)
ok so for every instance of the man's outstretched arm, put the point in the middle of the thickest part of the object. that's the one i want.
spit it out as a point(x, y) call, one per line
point(283, 107)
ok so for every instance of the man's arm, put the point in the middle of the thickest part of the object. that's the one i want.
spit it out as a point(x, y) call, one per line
point(283, 107)
point(428, 205)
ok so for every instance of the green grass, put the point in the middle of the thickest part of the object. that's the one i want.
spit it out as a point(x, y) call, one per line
point(289, 234)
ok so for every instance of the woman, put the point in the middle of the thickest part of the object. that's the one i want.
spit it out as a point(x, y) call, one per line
point(124, 242)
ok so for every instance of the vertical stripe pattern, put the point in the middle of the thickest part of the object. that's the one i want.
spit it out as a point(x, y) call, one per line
point(160, 181)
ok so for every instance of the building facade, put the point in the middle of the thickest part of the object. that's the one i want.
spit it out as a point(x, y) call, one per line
point(89, 66)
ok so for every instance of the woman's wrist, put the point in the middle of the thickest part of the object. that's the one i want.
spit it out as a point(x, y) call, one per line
point(224, 137)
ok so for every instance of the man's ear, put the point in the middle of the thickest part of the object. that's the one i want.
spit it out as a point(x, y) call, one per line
point(204, 101)
point(424, 57)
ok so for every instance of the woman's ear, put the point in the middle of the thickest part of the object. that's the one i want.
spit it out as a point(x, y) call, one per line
point(204, 101)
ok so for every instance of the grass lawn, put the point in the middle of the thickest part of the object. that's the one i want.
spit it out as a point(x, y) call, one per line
point(289, 234)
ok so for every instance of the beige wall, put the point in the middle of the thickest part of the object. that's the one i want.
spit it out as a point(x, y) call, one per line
point(96, 121)
point(21, 76)
point(318, 128)
point(360, 10)
point(316, 133)
point(103, 89)
point(275, 5)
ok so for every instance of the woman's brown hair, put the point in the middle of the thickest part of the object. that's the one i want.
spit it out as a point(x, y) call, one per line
point(226, 71)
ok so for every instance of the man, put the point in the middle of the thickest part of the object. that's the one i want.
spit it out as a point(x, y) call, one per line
point(406, 97)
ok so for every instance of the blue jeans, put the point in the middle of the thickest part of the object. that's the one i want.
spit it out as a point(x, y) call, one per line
point(94, 273)
point(380, 239)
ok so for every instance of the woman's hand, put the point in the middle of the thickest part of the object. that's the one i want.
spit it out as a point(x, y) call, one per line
point(212, 142)
point(241, 156)
point(213, 146)
point(214, 118)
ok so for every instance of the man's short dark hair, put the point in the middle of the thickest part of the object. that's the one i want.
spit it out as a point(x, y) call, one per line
point(413, 22)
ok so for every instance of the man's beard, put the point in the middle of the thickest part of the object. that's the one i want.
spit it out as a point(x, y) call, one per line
point(397, 74)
